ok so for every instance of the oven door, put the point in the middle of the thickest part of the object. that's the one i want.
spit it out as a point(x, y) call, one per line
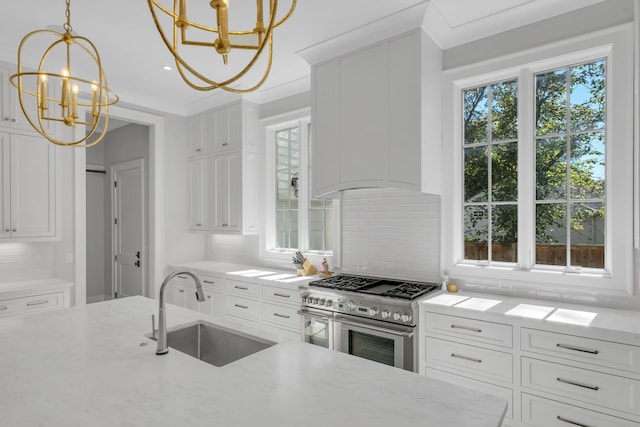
point(374, 340)
point(317, 327)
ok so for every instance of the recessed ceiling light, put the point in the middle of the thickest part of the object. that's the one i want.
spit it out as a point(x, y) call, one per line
point(167, 67)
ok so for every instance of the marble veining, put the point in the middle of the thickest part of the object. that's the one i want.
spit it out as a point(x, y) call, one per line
point(85, 366)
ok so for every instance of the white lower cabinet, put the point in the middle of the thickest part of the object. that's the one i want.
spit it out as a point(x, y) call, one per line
point(537, 411)
point(24, 301)
point(551, 374)
point(274, 309)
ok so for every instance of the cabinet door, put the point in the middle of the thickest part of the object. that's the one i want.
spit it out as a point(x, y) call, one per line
point(5, 95)
point(11, 114)
point(196, 136)
point(199, 199)
point(33, 189)
point(325, 144)
point(5, 186)
point(228, 128)
point(228, 192)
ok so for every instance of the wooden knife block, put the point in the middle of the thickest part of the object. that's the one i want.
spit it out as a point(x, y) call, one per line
point(307, 269)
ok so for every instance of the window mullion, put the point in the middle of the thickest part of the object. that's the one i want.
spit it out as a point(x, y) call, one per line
point(303, 188)
point(526, 169)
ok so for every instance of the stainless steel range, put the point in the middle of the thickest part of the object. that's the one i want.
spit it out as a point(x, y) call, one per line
point(370, 317)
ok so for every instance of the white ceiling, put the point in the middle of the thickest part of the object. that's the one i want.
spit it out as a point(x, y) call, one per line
point(132, 52)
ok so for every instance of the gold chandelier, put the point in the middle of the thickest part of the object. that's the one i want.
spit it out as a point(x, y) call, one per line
point(38, 94)
point(185, 32)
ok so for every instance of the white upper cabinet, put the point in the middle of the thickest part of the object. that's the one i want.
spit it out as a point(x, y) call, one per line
point(376, 117)
point(200, 176)
point(199, 144)
point(223, 185)
point(11, 115)
point(28, 188)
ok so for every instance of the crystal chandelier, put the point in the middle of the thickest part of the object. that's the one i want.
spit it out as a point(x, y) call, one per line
point(184, 32)
point(48, 97)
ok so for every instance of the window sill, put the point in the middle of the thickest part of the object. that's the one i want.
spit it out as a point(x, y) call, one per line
point(548, 282)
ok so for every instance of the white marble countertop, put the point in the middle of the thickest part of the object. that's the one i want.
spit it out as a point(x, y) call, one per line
point(582, 320)
point(247, 273)
point(85, 366)
point(34, 285)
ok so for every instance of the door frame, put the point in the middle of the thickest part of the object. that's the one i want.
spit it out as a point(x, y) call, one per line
point(156, 126)
point(115, 168)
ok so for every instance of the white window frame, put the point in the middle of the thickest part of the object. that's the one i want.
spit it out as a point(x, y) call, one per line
point(268, 244)
point(617, 278)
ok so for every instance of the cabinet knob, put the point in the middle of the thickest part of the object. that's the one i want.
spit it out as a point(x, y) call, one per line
point(7, 230)
point(13, 120)
point(224, 144)
point(198, 225)
point(6, 119)
point(198, 149)
point(14, 230)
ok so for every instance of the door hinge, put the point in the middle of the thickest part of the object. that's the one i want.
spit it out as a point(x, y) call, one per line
point(115, 221)
point(115, 257)
point(116, 294)
point(115, 183)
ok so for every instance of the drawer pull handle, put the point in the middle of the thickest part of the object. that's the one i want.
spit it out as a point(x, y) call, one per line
point(471, 359)
point(4, 307)
point(211, 282)
point(281, 295)
point(568, 421)
point(242, 288)
point(284, 316)
point(583, 350)
point(590, 387)
point(241, 306)
point(467, 328)
point(39, 302)
point(181, 291)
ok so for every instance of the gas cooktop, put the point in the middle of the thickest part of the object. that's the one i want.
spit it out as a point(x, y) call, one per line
point(376, 286)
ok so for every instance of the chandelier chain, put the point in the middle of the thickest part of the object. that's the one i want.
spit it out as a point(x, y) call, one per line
point(67, 26)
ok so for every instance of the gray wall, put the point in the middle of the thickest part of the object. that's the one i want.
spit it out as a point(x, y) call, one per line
point(120, 145)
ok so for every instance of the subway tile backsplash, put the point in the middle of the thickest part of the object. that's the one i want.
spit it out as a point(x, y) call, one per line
point(391, 233)
point(21, 261)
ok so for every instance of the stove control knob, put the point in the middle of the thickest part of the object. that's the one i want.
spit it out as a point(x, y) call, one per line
point(396, 315)
point(329, 303)
point(406, 317)
point(314, 300)
point(385, 313)
point(322, 301)
point(304, 299)
point(351, 305)
point(374, 311)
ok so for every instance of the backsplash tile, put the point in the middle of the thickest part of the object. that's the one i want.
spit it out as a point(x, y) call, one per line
point(25, 261)
point(391, 233)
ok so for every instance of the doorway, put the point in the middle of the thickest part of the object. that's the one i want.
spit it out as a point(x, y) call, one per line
point(128, 227)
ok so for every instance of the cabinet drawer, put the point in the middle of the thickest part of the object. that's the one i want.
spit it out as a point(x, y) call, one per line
point(582, 385)
point(243, 307)
point(541, 412)
point(287, 317)
point(31, 304)
point(281, 295)
point(503, 392)
point(213, 282)
point(477, 362)
point(471, 329)
point(598, 352)
point(245, 289)
point(282, 334)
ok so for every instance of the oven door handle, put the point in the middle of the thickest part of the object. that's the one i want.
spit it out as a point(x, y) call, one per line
point(402, 331)
point(306, 312)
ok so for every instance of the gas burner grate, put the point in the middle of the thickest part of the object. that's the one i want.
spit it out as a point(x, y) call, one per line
point(409, 290)
point(345, 283)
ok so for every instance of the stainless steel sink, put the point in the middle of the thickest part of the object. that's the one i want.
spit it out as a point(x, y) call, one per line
point(214, 344)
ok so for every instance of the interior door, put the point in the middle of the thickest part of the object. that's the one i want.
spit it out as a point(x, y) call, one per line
point(128, 228)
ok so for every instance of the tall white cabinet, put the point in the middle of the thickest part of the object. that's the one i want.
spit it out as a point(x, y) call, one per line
point(223, 164)
point(28, 188)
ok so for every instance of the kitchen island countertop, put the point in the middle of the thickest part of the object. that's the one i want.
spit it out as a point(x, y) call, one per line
point(93, 366)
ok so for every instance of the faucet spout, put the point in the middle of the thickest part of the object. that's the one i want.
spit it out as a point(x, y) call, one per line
point(201, 296)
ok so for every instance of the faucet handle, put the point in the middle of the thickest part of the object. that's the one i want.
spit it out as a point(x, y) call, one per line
point(154, 331)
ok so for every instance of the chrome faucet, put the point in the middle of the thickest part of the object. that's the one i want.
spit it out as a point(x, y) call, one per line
point(163, 348)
